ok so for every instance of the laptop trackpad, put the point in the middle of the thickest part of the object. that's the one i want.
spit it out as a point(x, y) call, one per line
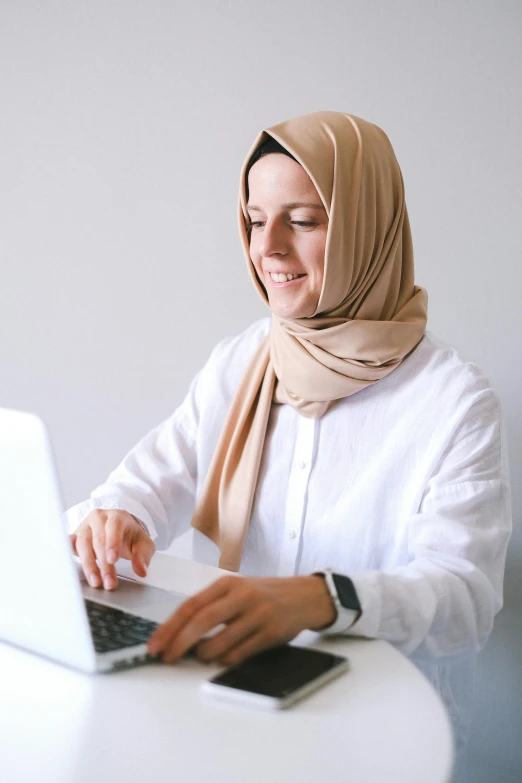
point(137, 598)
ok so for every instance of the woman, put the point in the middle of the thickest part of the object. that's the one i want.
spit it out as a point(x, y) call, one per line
point(336, 434)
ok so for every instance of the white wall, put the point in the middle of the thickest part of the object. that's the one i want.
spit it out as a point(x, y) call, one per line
point(123, 127)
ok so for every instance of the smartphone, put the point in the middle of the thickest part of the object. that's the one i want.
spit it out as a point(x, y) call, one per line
point(278, 677)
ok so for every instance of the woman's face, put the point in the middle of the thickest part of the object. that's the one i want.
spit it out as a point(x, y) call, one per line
point(288, 234)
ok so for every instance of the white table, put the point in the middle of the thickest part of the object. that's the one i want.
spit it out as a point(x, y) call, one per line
point(380, 722)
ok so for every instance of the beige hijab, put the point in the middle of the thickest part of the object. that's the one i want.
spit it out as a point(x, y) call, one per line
point(369, 317)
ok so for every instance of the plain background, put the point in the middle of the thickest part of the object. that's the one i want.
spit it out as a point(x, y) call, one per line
point(123, 128)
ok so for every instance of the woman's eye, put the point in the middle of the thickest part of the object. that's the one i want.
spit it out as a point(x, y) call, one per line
point(302, 223)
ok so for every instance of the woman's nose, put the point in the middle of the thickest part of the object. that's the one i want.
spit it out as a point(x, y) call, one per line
point(274, 240)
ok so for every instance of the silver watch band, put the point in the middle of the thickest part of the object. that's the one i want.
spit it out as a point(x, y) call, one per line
point(345, 617)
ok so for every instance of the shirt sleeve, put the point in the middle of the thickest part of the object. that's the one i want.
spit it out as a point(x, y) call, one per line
point(443, 602)
point(156, 480)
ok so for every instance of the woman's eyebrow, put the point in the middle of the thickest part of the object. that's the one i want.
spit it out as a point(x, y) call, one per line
point(292, 205)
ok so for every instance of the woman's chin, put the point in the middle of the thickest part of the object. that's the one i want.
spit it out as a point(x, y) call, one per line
point(292, 310)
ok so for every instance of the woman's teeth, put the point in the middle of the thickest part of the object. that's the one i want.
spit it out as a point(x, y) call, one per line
point(280, 277)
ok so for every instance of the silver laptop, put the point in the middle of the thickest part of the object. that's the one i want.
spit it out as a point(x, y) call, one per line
point(45, 607)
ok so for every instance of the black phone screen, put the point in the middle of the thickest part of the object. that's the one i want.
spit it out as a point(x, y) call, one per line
point(278, 672)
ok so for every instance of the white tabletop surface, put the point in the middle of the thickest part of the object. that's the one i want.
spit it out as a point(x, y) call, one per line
point(380, 722)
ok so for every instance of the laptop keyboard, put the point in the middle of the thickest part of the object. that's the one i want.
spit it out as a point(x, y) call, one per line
point(113, 629)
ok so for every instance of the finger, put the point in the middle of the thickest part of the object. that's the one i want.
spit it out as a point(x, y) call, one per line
point(164, 638)
point(113, 537)
point(109, 575)
point(107, 570)
point(72, 539)
point(185, 612)
point(230, 637)
point(250, 646)
point(85, 552)
point(142, 549)
point(97, 526)
point(203, 622)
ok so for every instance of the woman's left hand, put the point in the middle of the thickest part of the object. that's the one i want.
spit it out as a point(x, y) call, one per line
point(257, 613)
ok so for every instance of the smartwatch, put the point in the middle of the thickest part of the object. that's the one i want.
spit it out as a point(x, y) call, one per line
point(342, 592)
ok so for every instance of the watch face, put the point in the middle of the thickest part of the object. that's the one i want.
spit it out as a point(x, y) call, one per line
point(346, 592)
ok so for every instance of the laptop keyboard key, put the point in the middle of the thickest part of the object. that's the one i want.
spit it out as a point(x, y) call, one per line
point(113, 629)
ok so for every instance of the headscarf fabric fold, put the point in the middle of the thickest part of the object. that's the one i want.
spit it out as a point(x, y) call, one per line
point(369, 317)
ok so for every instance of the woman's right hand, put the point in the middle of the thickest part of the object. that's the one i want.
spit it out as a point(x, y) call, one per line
point(105, 536)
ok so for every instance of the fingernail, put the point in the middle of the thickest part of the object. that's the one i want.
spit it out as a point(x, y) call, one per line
point(140, 568)
point(93, 580)
point(107, 582)
point(112, 556)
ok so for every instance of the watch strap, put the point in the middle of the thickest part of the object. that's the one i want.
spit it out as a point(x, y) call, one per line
point(345, 600)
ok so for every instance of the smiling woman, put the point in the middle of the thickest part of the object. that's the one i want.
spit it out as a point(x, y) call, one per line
point(350, 466)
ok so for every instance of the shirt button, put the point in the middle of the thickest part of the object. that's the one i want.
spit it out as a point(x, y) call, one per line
point(302, 464)
point(292, 533)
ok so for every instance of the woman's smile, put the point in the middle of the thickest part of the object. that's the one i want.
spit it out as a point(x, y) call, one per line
point(283, 279)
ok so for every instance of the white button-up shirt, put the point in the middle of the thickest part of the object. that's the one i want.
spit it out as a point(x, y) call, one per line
point(402, 486)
